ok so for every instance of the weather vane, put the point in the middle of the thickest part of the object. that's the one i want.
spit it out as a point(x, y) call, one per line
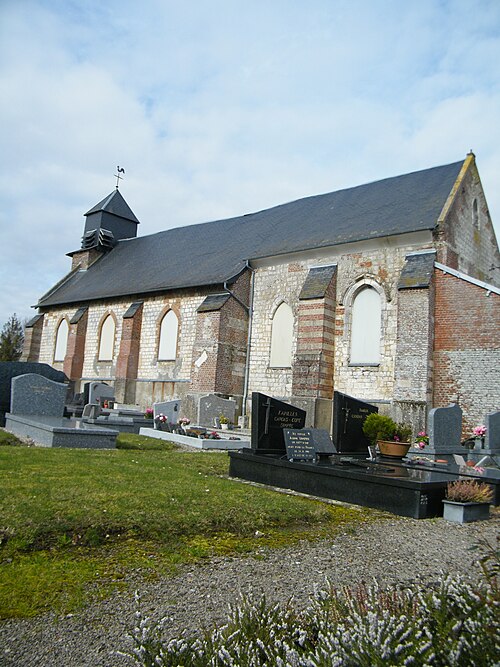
point(121, 170)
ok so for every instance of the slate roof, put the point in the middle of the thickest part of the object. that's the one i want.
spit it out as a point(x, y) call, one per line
point(114, 203)
point(213, 252)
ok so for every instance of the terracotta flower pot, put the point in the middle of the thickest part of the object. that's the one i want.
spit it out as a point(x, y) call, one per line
point(393, 450)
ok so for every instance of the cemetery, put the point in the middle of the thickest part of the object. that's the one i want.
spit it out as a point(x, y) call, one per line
point(280, 451)
point(287, 455)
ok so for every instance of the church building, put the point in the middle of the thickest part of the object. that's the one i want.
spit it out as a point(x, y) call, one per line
point(388, 292)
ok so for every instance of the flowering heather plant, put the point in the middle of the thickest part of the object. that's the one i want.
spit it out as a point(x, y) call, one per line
point(422, 440)
point(453, 623)
point(479, 431)
point(468, 491)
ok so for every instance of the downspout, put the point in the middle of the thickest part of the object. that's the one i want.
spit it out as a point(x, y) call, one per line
point(249, 311)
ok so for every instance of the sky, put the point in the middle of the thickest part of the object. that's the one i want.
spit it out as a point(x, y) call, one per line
point(226, 107)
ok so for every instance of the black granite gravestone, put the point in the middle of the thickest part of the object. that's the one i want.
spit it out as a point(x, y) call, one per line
point(269, 418)
point(299, 444)
point(322, 442)
point(349, 415)
point(11, 369)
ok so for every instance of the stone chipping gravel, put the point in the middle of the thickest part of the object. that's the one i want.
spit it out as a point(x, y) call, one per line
point(390, 550)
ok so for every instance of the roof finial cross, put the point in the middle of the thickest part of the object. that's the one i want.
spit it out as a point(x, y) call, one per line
point(121, 170)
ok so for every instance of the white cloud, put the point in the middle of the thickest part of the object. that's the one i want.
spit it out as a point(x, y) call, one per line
point(224, 107)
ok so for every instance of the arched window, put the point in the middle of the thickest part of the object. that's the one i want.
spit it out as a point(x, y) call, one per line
point(282, 337)
point(167, 345)
point(61, 340)
point(475, 214)
point(366, 327)
point(107, 339)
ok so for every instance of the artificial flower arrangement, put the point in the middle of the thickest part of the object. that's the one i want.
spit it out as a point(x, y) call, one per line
point(479, 431)
point(223, 419)
point(422, 440)
point(161, 418)
point(184, 421)
point(149, 413)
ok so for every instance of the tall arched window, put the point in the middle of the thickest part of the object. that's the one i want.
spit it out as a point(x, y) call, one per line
point(107, 339)
point(366, 327)
point(167, 345)
point(61, 340)
point(282, 337)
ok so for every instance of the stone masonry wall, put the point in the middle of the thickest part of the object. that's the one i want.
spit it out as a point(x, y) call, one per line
point(464, 245)
point(466, 349)
point(379, 267)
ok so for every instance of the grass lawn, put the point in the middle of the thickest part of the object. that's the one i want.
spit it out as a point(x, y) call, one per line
point(73, 522)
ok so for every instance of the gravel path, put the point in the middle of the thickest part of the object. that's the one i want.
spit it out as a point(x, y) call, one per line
point(394, 550)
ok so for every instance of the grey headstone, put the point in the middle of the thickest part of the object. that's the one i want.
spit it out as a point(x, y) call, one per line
point(11, 369)
point(33, 394)
point(91, 411)
point(445, 430)
point(99, 392)
point(171, 410)
point(492, 438)
point(211, 407)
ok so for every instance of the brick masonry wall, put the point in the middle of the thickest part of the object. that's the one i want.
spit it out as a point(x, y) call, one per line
point(466, 349)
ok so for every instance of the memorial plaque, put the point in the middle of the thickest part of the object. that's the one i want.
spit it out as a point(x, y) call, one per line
point(349, 415)
point(322, 442)
point(299, 444)
point(269, 418)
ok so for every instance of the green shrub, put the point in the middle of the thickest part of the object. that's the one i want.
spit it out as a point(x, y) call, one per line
point(381, 427)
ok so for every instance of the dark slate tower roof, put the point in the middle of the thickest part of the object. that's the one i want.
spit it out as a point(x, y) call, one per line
point(213, 252)
point(115, 204)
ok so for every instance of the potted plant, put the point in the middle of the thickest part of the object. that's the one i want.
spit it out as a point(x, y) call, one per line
point(149, 413)
point(224, 422)
point(391, 438)
point(467, 500)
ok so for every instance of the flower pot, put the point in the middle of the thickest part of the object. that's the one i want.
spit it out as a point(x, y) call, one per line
point(393, 450)
point(224, 427)
point(465, 512)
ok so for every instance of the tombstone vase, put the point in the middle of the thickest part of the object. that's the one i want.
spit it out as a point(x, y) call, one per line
point(393, 450)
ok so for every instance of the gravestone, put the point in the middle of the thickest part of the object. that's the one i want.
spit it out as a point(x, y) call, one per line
point(211, 407)
point(322, 442)
point(269, 418)
point(445, 430)
point(37, 395)
point(11, 369)
point(349, 415)
point(171, 410)
point(492, 438)
point(299, 444)
point(100, 392)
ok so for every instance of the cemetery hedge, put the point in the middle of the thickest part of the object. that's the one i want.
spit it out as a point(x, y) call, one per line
point(75, 522)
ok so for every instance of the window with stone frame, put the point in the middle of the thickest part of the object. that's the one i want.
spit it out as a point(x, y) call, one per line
point(282, 337)
point(61, 340)
point(366, 320)
point(167, 340)
point(107, 339)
